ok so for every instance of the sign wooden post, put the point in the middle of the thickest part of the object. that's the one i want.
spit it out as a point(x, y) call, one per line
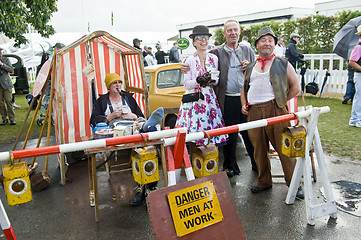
point(200, 209)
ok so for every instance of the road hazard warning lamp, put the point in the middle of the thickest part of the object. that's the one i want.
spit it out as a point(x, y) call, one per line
point(294, 141)
point(17, 183)
point(145, 165)
point(205, 160)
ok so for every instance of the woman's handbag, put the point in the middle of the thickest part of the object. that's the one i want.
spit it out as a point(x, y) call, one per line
point(192, 97)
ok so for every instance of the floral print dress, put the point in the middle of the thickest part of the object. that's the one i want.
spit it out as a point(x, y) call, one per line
point(204, 115)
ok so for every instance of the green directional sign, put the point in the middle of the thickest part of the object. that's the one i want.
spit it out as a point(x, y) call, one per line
point(183, 43)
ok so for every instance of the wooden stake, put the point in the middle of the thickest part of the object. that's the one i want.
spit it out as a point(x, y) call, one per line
point(42, 180)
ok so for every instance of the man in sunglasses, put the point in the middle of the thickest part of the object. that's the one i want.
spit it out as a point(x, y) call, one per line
point(232, 61)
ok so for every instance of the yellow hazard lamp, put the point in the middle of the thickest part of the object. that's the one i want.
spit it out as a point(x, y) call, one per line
point(205, 160)
point(294, 141)
point(145, 165)
point(17, 183)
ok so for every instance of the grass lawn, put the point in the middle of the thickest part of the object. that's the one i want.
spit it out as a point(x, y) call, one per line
point(337, 136)
point(8, 133)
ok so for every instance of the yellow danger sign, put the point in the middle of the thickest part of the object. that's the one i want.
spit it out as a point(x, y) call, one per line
point(194, 208)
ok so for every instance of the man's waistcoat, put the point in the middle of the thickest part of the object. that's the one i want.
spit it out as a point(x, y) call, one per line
point(278, 79)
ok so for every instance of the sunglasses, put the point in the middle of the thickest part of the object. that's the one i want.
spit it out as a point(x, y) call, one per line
point(203, 37)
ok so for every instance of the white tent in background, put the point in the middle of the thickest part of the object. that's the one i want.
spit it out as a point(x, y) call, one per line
point(4, 39)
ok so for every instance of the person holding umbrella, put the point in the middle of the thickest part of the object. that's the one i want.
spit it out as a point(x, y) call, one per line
point(355, 62)
point(344, 41)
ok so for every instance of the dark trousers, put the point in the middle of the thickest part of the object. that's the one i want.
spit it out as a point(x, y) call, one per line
point(350, 85)
point(233, 115)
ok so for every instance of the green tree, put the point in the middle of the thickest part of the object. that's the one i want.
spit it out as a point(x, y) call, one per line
point(317, 31)
point(343, 17)
point(324, 31)
point(288, 28)
point(17, 15)
point(218, 36)
point(246, 32)
point(306, 30)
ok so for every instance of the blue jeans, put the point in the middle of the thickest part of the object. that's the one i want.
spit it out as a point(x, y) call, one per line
point(356, 105)
point(350, 86)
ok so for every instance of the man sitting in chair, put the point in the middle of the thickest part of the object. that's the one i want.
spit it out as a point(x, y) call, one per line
point(118, 105)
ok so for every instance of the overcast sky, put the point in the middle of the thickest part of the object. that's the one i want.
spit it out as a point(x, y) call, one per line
point(151, 20)
point(154, 15)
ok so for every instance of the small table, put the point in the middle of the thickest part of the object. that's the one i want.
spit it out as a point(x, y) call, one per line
point(92, 168)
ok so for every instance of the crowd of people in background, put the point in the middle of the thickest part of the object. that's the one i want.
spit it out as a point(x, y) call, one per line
point(159, 57)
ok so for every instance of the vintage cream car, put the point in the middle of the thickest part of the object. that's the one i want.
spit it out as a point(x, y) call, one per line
point(165, 89)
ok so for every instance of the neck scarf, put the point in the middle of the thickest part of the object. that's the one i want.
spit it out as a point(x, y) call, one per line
point(263, 60)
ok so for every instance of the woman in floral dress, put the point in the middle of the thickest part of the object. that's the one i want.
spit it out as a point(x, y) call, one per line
point(204, 114)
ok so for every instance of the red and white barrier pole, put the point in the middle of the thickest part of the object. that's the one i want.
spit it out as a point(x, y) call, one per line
point(187, 165)
point(292, 105)
point(181, 156)
point(5, 224)
point(79, 146)
point(245, 126)
point(170, 166)
point(168, 136)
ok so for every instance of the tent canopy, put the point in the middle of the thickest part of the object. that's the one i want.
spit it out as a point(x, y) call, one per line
point(174, 38)
point(76, 88)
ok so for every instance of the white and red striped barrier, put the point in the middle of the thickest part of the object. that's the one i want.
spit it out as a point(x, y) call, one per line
point(292, 105)
point(172, 179)
point(245, 126)
point(79, 146)
point(167, 135)
point(176, 159)
point(5, 224)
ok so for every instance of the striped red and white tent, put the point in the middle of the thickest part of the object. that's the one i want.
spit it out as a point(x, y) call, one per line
point(74, 90)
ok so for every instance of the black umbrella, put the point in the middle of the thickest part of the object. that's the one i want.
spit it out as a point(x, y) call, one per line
point(324, 81)
point(346, 38)
point(302, 73)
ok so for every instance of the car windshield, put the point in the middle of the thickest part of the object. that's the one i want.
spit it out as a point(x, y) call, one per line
point(170, 78)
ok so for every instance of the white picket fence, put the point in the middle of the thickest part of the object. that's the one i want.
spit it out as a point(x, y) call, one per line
point(337, 67)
